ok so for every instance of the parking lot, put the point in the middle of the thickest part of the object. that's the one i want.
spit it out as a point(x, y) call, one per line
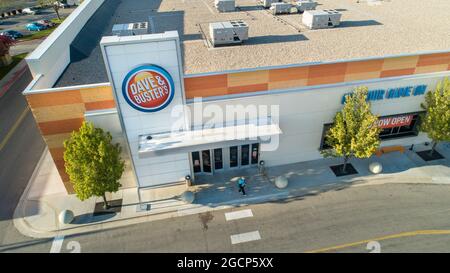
point(18, 22)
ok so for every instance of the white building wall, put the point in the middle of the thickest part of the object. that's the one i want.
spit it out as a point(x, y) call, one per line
point(122, 54)
point(109, 121)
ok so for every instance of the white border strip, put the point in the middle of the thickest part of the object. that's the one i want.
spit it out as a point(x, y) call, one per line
point(29, 91)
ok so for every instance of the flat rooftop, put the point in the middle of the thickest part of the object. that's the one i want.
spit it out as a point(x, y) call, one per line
point(369, 28)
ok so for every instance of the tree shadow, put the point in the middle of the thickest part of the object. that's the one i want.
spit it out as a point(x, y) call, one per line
point(88, 218)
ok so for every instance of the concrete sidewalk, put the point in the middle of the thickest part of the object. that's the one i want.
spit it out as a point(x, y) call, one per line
point(37, 212)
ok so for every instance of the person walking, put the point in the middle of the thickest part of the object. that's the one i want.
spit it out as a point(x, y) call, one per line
point(241, 184)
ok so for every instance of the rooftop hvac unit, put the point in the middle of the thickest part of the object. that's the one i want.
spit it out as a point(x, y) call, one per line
point(268, 3)
point(316, 19)
point(281, 8)
point(130, 29)
point(230, 32)
point(303, 5)
point(225, 5)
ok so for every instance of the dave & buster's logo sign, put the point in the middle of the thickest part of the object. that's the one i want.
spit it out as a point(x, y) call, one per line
point(148, 88)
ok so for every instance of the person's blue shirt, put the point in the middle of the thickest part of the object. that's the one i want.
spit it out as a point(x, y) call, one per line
point(241, 182)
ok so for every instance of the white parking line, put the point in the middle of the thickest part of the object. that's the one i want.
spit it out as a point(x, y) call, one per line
point(245, 237)
point(238, 214)
point(57, 244)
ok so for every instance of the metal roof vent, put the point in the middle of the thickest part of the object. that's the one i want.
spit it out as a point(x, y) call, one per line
point(316, 19)
point(281, 8)
point(303, 5)
point(225, 5)
point(229, 32)
point(138, 28)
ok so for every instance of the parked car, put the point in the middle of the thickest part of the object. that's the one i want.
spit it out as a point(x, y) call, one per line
point(12, 34)
point(30, 11)
point(35, 27)
point(46, 23)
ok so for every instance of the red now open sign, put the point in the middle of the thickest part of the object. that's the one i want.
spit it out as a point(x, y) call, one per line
point(396, 121)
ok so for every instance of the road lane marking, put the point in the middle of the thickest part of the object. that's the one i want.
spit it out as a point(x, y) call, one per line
point(57, 244)
point(238, 214)
point(392, 236)
point(14, 128)
point(245, 237)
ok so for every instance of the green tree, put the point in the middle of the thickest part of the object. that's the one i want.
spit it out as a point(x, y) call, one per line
point(436, 120)
point(92, 162)
point(354, 133)
point(56, 5)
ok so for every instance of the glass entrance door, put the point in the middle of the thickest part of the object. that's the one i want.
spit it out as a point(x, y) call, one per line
point(206, 158)
point(234, 161)
point(207, 161)
point(245, 155)
point(218, 159)
point(201, 161)
point(210, 161)
point(241, 156)
point(196, 162)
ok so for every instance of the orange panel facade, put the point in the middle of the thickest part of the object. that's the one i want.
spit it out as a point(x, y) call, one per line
point(300, 76)
point(59, 113)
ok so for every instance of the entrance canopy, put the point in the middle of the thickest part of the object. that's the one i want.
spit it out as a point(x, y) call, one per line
point(260, 129)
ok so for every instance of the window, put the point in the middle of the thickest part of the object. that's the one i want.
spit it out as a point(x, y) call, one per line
point(323, 144)
point(401, 131)
point(386, 133)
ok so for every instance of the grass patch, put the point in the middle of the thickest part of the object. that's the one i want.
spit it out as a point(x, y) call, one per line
point(16, 59)
point(57, 21)
point(38, 34)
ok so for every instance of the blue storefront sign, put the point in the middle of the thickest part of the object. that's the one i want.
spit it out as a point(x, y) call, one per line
point(393, 93)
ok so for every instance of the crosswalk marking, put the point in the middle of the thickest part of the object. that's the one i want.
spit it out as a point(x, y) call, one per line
point(238, 214)
point(245, 237)
point(57, 244)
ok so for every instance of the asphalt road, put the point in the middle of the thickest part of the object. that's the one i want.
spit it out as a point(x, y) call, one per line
point(391, 218)
point(21, 146)
point(25, 46)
